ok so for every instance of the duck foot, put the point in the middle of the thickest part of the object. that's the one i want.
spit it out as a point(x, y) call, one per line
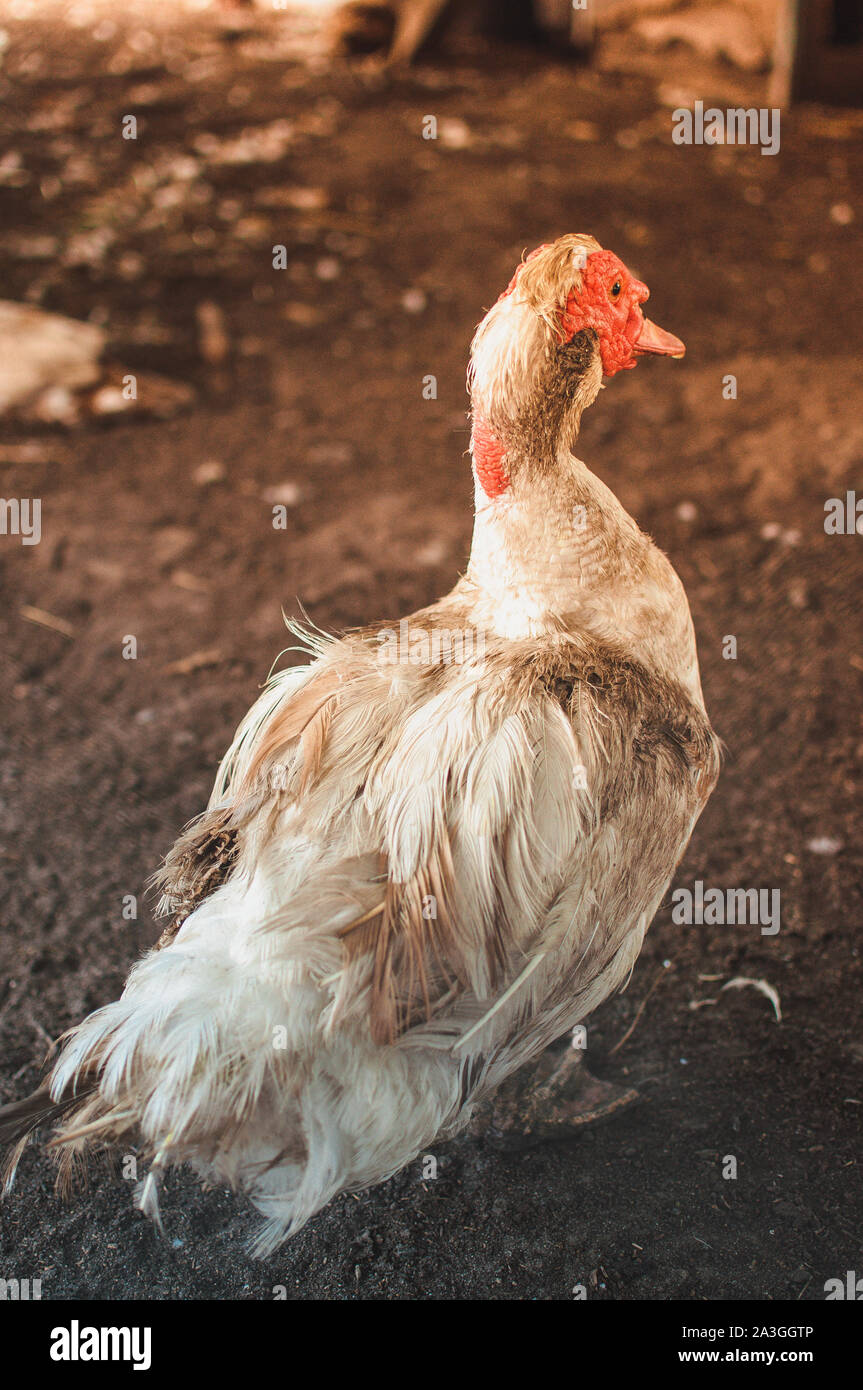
point(551, 1102)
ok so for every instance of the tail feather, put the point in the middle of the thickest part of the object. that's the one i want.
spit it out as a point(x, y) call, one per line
point(20, 1118)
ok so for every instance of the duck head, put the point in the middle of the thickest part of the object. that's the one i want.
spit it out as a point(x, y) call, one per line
point(570, 315)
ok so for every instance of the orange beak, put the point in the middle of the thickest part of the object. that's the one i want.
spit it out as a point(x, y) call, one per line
point(655, 339)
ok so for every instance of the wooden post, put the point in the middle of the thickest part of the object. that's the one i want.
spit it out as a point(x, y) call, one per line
point(573, 24)
point(780, 90)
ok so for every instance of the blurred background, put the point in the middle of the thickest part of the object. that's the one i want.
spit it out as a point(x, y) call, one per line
point(245, 247)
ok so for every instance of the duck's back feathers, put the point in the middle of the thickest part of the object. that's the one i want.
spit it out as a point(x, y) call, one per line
point(457, 865)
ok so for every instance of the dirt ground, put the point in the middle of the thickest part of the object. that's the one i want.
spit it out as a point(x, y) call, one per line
point(161, 528)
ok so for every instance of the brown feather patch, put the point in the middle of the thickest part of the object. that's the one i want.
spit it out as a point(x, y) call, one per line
point(313, 739)
point(199, 862)
point(410, 946)
point(289, 723)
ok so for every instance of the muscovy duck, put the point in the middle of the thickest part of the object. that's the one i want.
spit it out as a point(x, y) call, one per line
point(434, 849)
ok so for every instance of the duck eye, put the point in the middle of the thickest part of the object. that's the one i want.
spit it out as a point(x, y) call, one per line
point(615, 289)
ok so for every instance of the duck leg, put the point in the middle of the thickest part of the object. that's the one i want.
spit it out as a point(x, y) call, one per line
point(551, 1101)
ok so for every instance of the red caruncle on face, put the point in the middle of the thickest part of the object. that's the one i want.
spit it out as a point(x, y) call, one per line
point(609, 301)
